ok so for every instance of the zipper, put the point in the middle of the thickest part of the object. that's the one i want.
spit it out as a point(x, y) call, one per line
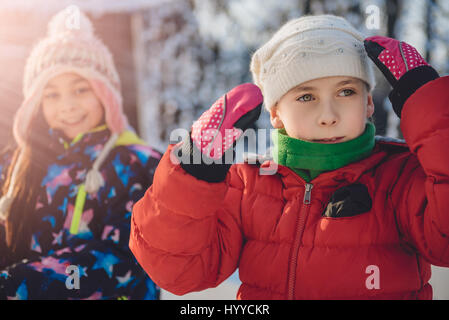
point(302, 215)
point(79, 208)
point(307, 193)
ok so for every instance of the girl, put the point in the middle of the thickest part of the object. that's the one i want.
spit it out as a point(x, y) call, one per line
point(347, 214)
point(70, 184)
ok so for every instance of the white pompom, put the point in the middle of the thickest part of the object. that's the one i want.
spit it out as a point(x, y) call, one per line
point(5, 204)
point(71, 19)
point(94, 181)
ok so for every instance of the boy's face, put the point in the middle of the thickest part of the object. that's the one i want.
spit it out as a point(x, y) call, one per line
point(325, 108)
point(70, 104)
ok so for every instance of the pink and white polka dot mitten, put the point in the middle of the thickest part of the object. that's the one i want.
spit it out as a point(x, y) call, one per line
point(219, 127)
point(395, 57)
point(217, 130)
point(402, 65)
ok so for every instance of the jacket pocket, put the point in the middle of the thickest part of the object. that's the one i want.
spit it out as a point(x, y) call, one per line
point(348, 201)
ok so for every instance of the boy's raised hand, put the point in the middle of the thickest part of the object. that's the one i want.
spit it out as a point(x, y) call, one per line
point(214, 134)
point(402, 65)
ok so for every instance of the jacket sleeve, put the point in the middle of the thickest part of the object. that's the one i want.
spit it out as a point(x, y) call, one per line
point(186, 233)
point(421, 195)
point(105, 265)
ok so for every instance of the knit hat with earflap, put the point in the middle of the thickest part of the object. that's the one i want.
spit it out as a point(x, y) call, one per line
point(309, 48)
point(70, 47)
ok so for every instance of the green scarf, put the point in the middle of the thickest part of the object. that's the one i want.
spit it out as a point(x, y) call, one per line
point(309, 159)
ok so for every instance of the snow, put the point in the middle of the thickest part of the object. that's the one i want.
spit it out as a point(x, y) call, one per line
point(438, 44)
point(411, 26)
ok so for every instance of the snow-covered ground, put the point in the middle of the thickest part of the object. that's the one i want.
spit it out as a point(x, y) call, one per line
point(440, 283)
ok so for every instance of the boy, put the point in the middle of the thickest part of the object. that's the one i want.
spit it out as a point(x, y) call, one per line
point(346, 216)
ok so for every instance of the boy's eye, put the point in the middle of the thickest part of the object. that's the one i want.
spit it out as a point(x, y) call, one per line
point(305, 98)
point(347, 92)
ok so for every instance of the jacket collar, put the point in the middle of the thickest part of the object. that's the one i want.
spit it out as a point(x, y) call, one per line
point(97, 136)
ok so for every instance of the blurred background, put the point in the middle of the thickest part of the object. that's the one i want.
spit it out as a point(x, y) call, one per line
point(176, 57)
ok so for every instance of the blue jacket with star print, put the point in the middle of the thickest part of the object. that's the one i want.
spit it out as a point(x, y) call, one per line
point(79, 243)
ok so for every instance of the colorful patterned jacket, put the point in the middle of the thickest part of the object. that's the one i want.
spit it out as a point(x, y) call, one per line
point(90, 233)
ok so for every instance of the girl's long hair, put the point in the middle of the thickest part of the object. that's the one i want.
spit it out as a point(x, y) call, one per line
point(37, 155)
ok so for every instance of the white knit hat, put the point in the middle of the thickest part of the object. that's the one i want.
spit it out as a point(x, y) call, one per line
point(308, 48)
point(69, 49)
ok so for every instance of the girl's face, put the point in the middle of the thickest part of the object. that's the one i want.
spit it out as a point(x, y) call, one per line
point(325, 108)
point(70, 104)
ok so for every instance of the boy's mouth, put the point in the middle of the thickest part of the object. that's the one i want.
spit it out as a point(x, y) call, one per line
point(331, 140)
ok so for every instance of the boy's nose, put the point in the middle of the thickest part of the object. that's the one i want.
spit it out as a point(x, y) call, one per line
point(328, 122)
point(327, 116)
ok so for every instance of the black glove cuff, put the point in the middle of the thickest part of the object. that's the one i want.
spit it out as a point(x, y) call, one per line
point(210, 170)
point(408, 84)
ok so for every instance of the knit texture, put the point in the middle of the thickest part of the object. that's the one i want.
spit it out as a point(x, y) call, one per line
point(309, 159)
point(308, 48)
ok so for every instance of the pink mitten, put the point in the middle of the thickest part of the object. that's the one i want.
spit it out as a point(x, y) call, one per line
point(402, 65)
point(218, 128)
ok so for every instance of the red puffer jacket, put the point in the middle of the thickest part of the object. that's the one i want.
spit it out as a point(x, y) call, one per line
point(190, 235)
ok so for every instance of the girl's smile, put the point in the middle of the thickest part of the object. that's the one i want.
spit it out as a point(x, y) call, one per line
point(72, 122)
